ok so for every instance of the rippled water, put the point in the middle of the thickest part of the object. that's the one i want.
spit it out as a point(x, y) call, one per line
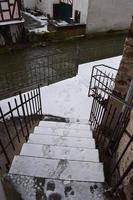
point(16, 62)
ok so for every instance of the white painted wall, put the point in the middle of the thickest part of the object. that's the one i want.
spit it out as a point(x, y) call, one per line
point(104, 15)
point(29, 3)
point(46, 6)
point(82, 6)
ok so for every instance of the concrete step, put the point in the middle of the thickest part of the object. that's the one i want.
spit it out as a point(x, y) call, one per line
point(30, 188)
point(56, 152)
point(57, 169)
point(62, 132)
point(62, 141)
point(64, 125)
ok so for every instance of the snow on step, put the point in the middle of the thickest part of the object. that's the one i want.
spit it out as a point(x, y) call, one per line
point(29, 187)
point(62, 141)
point(55, 152)
point(62, 132)
point(64, 125)
point(57, 169)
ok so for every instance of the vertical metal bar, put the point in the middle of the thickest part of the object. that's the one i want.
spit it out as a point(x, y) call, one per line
point(48, 71)
point(14, 123)
point(27, 110)
point(19, 117)
point(24, 115)
point(33, 105)
point(91, 81)
point(5, 154)
point(40, 100)
point(29, 100)
point(38, 107)
point(123, 153)
point(7, 130)
point(106, 113)
point(120, 131)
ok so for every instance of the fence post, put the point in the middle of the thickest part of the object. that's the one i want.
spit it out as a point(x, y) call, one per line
point(6, 156)
point(8, 133)
point(40, 100)
point(14, 123)
point(22, 104)
point(77, 57)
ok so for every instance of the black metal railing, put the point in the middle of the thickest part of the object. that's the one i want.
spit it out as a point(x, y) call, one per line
point(16, 123)
point(109, 118)
point(102, 77)
point(41, 70)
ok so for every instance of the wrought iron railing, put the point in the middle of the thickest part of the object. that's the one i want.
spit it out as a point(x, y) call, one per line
point(16, 123)
point(41, 70)
point(109, 120)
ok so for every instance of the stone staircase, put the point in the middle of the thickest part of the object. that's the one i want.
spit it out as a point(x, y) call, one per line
point(59, 161)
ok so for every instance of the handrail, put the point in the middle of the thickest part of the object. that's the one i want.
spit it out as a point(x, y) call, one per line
point(116, 98)
point(95, 67)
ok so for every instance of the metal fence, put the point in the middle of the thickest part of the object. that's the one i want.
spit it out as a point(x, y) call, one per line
point(42, 70)
point(16, 124)
point(109, 118)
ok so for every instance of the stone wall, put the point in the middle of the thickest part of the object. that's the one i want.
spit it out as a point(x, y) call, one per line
point(128, 157)
point(123, 80)
point(105, 15)
point(125, 73)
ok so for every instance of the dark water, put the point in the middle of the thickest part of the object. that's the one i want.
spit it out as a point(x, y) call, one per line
point(90, 49)
point(20, 68)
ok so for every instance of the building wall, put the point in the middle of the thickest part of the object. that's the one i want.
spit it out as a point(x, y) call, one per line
point(46, 6)
point(29, 3)
point(105, 15)
point(81, 6)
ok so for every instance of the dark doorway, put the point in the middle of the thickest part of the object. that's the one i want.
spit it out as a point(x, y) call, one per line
point(62, 11)
point(77, 16)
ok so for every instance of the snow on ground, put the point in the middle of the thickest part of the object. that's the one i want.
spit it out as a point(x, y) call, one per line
point(40, 30)
point(69, 98)
point(43, 21)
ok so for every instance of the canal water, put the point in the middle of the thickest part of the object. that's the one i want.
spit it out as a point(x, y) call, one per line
point(90, 49)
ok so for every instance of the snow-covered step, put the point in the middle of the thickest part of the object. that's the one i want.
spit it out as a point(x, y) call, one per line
point(58, 169)
point(64, 125)
point(62, 141)
point(29, 187)
point(58, 152)
point(62, 132)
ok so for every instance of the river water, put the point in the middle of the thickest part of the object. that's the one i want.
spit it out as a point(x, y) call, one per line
point(90, 49)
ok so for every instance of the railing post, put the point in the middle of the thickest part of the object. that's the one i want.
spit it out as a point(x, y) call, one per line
point(8, 133)
point(40, 100)
point(5, 154)
point(19, 117)
point(77, 57)
point(14, 122)
point(22, 104)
